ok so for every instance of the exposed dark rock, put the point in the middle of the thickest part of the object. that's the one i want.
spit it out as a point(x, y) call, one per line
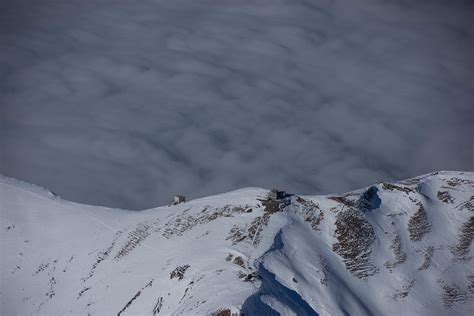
point(129, 302)
point(466, 235)
point(343, 200)
point(419, 225)
point(354, 238)
point(467, 205)
point(445, 197)
point(273, 206)
point(83, 291)
point(256, 228)
point(454, 182)
point(158, 306)
point(470, 287)
point(453, 294)
point(392, 187)
point(222, 312)
point(400, 255)
point(102, 255)
point(310, 211)
point(239, 261)
point(184, 222)
point(324, 268)
point(404, 291)
point(427, 262)
point(41, 268)
point(127, 305)
point(237, 234)
point(247, 277)
point(179, 272)
point(134, 238)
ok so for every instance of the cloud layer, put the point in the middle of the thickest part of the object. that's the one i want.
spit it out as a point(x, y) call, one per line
point(126, 103)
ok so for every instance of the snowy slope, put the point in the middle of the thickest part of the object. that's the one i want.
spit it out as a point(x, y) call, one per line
point(390, 249)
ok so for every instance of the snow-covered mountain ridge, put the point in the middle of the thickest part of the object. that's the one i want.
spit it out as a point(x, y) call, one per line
point(400, 248)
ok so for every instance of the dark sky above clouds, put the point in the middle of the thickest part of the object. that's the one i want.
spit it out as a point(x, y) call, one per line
point(126, 103)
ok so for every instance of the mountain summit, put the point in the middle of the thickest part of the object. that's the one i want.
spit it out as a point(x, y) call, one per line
point(401, 248)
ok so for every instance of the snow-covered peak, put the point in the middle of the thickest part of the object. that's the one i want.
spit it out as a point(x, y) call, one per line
point(389, 249)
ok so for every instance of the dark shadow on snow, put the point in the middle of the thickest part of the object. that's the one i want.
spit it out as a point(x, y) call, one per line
point(369, 200)
point(253, 305)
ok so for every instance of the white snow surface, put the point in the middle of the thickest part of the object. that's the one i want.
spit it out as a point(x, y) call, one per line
point(241, 253)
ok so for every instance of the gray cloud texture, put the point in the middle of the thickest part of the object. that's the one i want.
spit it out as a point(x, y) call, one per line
point(127, 102)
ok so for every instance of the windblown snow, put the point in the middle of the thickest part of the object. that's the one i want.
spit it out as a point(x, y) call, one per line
point(390, 249)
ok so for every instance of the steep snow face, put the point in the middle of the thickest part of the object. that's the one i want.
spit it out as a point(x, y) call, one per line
point(392, 249)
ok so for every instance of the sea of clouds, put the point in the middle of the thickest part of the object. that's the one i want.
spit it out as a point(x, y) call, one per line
point(125, 103)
